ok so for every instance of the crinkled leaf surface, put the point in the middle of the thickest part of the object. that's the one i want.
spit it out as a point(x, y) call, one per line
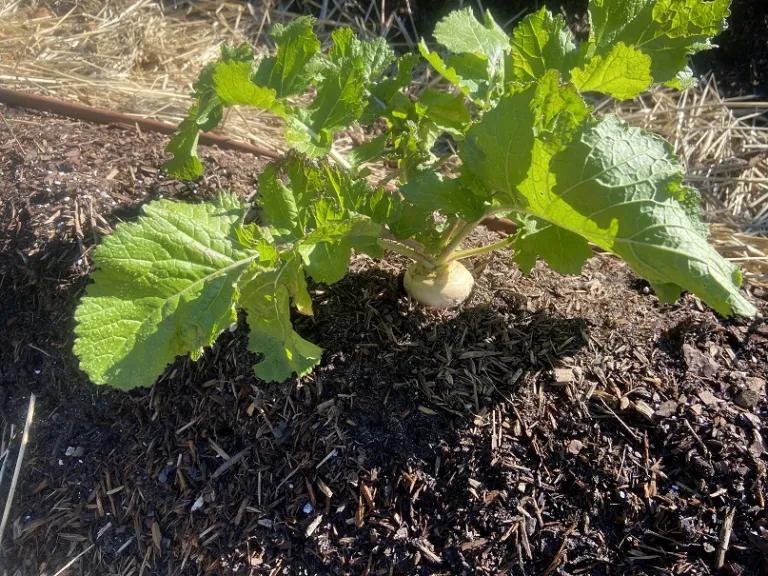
point(617, 187)
point(542, 42)
point(163, 287)
point(429, 190)
point(265, 296)
point(668, 31)
point(620, 188)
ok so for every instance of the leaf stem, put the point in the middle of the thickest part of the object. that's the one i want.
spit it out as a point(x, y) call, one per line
point(461, 235)
point(340, 160)
point(403, 250)
point(461, 254)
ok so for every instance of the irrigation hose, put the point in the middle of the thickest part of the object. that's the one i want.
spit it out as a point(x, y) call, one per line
point(103, 116)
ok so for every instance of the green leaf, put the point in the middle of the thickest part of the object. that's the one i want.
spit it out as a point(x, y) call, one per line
point(621, 188)
point(668, 31)
point(447, 112)
point(624, 73)
point(466, 87)
point(296, 283)
point(614, 186)
point(429, 191)
point(163, 287)
point(338, 103)
point(185, 164)
point(460, 32)
point(368, 151)
point(564, 251)
point(278, 203)
point(498, 149)
point(327, 262)
point(375, 55)
point(265, 296)
point(386, 95)
point(289, 72)
point(232, 83)
point(542, 42)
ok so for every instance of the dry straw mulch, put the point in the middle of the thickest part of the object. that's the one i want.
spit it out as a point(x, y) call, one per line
point(141, 56)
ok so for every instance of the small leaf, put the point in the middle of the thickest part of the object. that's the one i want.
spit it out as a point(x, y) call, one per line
point(368, 151)
point(428, 190)
point(266, 299)
point(163, 287)
point(624, 73)
point(450, 74)
point(460, 32)
point(289, 72)
point(231, 81)
point(542, 42)
point(278, 203)
point(185, 165)
point(447, 112)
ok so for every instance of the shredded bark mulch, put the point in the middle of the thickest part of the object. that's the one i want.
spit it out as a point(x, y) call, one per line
point(551, 425)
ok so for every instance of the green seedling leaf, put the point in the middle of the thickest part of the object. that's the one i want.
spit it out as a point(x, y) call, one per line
point(231, 81)
point(339, 102)
point(462, 33)
point(542, 42)
point(624, 73)
point(265, 296)
point(163, 287)
point(368, 151)
point(290, 72)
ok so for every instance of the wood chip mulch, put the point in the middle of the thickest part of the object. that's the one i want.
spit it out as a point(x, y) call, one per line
point(552, 425)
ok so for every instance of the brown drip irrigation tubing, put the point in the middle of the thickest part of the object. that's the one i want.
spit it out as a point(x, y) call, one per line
point(102, 116)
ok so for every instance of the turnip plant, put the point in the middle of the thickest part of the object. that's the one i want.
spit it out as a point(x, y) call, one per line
point(529, 148)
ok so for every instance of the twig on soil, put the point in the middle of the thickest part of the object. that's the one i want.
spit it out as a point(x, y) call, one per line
point(623, 424)
point(725, 537)
point(21, 148)
point(75, 559)
point(559, 555)
point(17, 470)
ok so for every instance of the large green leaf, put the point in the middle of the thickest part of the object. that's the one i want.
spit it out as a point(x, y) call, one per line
point(265, 296)
point(603, 182)
point(668, 31)
point(542, 42)
point(163, 287)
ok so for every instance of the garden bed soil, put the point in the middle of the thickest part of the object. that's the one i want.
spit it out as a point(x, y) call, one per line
point(551, 425)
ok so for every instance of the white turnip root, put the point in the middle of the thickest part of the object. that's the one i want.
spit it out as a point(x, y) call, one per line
point(444, 287)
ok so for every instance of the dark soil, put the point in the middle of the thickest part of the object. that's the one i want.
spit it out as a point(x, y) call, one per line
point(552, 425)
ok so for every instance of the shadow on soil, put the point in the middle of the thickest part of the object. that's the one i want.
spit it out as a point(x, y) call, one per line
point(409, 389)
